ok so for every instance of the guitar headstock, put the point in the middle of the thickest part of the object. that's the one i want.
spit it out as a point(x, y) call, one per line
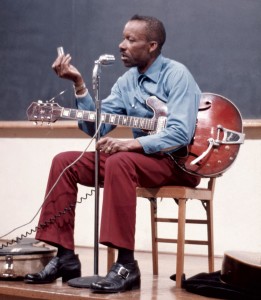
point(43, 112)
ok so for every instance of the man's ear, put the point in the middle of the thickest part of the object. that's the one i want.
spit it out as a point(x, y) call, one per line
point(153, 46)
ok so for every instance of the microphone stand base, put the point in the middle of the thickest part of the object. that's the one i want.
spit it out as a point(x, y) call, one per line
point(84, 282)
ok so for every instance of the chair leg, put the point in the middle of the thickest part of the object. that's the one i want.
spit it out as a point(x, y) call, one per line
point(154, 234)
point(210, 236)
point(180, 241)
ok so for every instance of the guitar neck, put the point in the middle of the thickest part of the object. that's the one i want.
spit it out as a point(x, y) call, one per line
point(113, 119)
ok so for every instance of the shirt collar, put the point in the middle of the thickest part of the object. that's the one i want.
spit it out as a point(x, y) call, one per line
point(154, 70)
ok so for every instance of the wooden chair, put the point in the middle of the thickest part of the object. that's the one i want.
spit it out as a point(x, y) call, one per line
point(181, 195)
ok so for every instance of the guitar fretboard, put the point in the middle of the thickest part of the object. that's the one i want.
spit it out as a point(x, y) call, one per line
point(90, 116)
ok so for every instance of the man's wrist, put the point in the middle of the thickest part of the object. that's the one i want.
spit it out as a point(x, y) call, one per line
point(79, 87)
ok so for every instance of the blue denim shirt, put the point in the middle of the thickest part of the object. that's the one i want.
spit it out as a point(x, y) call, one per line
point(169, 81)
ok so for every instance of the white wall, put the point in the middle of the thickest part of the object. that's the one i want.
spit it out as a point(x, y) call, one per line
point(237, 207)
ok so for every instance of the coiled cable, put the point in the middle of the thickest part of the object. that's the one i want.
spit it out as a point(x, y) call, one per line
point(56, 216)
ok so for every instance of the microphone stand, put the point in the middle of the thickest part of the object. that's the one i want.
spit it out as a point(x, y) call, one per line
point(85, 282)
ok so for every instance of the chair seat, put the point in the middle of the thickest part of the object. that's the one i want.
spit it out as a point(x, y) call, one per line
point(172, 191)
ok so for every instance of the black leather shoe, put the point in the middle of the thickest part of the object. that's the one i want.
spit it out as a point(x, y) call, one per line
point(67, 267)
point(121, 278)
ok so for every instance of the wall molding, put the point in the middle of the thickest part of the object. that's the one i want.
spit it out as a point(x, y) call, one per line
point(69, 129)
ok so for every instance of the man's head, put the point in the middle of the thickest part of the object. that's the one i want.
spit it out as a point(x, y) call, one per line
point(155, 29)
point(143, 38)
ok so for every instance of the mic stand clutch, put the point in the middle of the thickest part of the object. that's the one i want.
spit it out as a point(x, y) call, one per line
point(85, 282)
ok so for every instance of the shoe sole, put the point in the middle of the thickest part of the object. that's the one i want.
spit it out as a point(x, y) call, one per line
point(132, 288)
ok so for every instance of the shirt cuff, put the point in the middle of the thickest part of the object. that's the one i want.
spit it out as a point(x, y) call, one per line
point(82, 95)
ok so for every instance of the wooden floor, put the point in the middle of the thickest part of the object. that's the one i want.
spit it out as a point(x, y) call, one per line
point(152, 287)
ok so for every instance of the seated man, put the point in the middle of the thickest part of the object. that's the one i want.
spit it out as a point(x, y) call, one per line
point(124, 164)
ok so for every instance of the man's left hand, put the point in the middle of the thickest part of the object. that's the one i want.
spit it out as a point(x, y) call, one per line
point(111, 145)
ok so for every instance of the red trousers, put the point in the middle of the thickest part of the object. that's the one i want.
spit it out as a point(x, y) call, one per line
point(121, 173)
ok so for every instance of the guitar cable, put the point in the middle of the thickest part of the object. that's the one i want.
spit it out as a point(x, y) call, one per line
point(56, 216)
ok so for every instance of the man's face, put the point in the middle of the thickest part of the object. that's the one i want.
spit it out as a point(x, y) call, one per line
point(135, 48)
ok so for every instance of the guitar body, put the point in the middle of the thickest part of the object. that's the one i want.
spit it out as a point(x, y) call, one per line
point(242, 269)
point(215, 113)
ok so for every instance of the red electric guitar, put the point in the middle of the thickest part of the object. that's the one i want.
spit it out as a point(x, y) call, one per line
point(215, 144)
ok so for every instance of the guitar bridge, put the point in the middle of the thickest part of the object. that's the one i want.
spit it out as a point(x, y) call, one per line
point(229, 137)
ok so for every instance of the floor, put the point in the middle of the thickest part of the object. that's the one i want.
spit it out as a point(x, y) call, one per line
point(152, 287)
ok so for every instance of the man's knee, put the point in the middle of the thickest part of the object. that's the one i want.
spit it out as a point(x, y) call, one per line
point(119, 161)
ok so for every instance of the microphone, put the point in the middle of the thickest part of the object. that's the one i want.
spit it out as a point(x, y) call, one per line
point(106, 59)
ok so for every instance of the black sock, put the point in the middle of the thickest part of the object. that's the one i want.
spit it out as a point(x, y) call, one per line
point(64, 252)
point(125, 256)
